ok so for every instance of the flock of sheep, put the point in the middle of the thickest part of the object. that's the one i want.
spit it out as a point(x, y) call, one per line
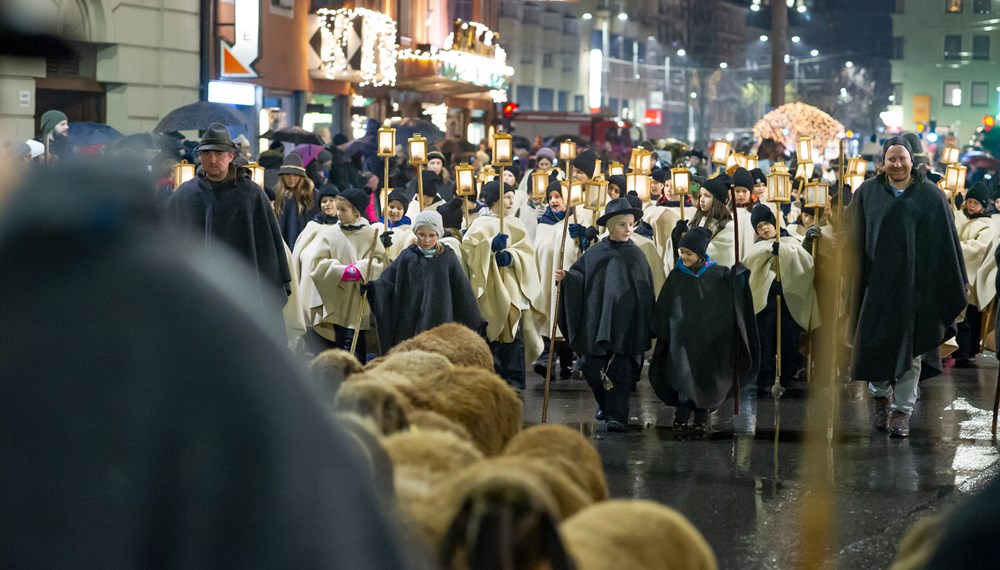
point(443, 437)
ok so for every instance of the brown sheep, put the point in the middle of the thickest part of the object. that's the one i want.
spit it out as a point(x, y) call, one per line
point(567, 448)
point(503, 522)
point(458, 343)
point(385, 405)
point(330, 368)
point(412, 365)
point(635, 534)
point(478, 400)
point(426, 420)
point(363, 432)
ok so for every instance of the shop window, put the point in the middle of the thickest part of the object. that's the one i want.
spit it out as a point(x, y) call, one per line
point(596, 39)
point(953, 47)
point(982, 7)
point(897, 47)
point(546, 100)
point(980, 94)
point(525, 97)
point(547, 60)
point(953, 6)
point(577, 103)
point(980, 47)
point(952, 94)
point(563, 98)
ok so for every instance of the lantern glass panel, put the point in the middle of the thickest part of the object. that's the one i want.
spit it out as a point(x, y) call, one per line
point(817, 195)
point(962, 171)
point(386, 142)
point(804, 170)
point(951, 177)
point(860, 166)
point(575, 192)
point(778, 187)
point(418, 150)
point(731, 161)
point(616, 169)
point(751, 161)
point(779, 168)
point(949, 155)
point(642, 186)
point(741, 159)
point(183, 171)
point(681, 180)
point(803, 149)
point(567, 150)
point(720, 153)
point(256, 173)
point(596, 194)
point(539, 182)
point(503, 149)
point(632, 158)
point(465, 180)
point(644, 163)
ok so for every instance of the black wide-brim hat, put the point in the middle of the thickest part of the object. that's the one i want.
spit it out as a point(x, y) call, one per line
point(217, 138)
point(618, 207)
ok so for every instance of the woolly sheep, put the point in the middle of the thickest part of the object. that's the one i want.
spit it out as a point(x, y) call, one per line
point(385, 405)
point(426, 420)
point(412, 364)
point(566, 448)
point(458, 343)
point(329, 370)
point(363, 432)
point(478, 400)
point(635, 534)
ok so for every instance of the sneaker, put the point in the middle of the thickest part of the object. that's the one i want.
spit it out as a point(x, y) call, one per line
point(616, 426)
point(881, 413)
point(899, 424)
point(539, 369)
point(599, 413)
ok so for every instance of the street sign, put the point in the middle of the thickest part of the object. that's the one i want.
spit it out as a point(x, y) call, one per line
point(238, 59)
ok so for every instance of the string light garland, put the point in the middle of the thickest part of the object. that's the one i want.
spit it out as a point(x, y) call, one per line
point(439, 116)
point(378, 47)
point(789, 122)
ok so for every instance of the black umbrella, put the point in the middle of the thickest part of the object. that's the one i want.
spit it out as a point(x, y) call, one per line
point(148, 141)
point(294, 135)
point(198, 116)
point(409, 126)
point(85, 134)
point(553, 142)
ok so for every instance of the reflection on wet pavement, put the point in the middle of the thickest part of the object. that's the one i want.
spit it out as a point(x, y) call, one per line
point(740, 484)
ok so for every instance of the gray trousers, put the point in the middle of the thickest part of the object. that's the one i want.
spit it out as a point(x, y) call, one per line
point(904, 396)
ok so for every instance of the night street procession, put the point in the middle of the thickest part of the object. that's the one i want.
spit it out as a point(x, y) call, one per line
point(499, 284)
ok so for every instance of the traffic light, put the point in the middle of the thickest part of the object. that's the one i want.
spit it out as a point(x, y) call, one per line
point(920, 127)
point(932, 126)
point(509, 112)
point(988, 122)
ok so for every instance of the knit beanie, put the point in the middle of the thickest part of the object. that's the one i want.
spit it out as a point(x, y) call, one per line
point(894, 141)
point(718, 187)
point(451, 213)
point(397, 195)
point(761, 213)
point(555, 187)
point(429, 218)
point(743, 179)
point(619, 181)
point(661, 175)
point(515, 170)
point(545, 152)
point(917, 148)
point(585, 162)
point(758, 176)
point(50, 119)
point(491, 192)
point(979, 192)
point(358, 197)
point(431, 181)
point(328, 190)
point(696, 240)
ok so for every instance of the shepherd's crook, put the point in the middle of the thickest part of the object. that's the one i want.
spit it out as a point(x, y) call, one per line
point(364, 297)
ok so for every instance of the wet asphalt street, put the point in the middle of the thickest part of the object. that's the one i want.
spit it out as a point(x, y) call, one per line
point(744, 491)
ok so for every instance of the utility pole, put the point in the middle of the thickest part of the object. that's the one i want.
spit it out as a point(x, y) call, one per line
point(779, 47)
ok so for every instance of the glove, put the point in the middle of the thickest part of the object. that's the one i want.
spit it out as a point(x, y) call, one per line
point(584, 243)
point(577, 231)
point(774, 248)
point(386, 239)
point(499, 243)
point(504, 259)
point(645, 230)
point(591, 234)
point(363, 288)
point(813, 232)
point(351, 274)
point(681, 226)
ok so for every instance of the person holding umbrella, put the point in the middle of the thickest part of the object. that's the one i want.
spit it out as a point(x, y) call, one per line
point(223, 203)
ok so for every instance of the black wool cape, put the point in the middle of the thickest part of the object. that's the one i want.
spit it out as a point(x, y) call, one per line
point(416, 293)
point(239, 215)
point(706, 336)
point(607, 299)
point(910, 283)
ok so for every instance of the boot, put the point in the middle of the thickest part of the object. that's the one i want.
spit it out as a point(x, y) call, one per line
point(540, 365)
point(881, 413)
point(899, 424)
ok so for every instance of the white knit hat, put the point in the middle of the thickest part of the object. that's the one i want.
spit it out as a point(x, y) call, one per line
point(428, 218)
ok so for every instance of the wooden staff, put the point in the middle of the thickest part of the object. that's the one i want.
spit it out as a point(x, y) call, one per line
point(809, 350)
point(996, 404)
point(776, 389)
point(554, 328)
point(736, 246)
point(385, 188)
point(420, 187)
point(364, 297)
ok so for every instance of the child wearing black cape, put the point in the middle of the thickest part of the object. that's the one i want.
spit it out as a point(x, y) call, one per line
point(706, 337)
point(607, 300)
point(423, 288)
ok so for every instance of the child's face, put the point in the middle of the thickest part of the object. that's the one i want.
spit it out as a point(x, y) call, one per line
point(973, 206)
point(426, 237)
point(508, 177)
point(689, 258)
point(396, 211)
point(329, 205)
point(765, 230)
point(622, 230)
point(614, 191)
point(705, 200)
point(435, 165)
point(808, 220)
point(543, 163)
point(508, 203)
point(742, 196)
point(346, 212)
point(996, 204)
point(760, 189)
point(556, 202)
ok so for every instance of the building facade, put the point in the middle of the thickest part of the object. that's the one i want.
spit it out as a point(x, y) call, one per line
point(945, 66)
point(135, 62)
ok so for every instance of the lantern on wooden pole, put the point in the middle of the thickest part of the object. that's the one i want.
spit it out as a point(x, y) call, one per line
point(417, 146)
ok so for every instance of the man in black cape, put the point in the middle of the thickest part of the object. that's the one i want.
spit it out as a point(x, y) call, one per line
point(707, 345)
point(224, 204)
point(422, 290)
point(151, 414)
point(910, 287)
point(607, 300)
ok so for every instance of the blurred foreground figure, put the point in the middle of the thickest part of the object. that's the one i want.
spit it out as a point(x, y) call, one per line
point(147, 419)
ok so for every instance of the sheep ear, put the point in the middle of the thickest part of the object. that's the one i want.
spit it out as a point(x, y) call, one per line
point(455, 534)
point(485, 532)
